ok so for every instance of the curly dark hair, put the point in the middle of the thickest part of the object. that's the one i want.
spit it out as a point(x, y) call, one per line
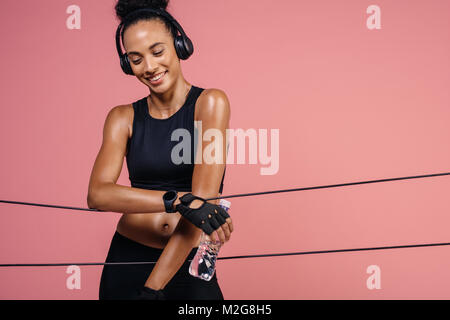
point(125, 11)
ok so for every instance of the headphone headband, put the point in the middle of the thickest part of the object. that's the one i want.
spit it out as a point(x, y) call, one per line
point(183, 45)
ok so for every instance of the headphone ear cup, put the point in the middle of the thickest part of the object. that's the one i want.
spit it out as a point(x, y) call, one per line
point(183, 47)
point(125, 65)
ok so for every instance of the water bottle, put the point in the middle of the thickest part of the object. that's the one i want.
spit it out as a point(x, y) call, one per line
point(203, 265)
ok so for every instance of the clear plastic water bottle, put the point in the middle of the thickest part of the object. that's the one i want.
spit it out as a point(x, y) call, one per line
point(203, 265)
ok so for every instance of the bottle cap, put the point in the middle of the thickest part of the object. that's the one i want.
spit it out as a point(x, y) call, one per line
point(225, 203)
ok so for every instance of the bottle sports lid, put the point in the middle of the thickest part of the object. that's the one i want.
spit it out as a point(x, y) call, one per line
point(225, 203)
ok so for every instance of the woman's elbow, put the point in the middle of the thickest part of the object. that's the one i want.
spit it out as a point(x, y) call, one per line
point(93, 198)
point(91, 201)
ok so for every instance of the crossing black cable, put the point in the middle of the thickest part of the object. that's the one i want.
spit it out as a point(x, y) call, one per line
point(250, 194)
point(244, 256)
point(47, 205)
point(227, 258)
point(331, 186)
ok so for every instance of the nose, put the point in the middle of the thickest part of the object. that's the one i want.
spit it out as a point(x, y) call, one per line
point(150, 66)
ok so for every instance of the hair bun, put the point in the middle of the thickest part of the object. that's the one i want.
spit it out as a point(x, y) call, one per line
point(124, 7)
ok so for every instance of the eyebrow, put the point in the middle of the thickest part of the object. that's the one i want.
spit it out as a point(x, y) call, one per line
point(151, 47)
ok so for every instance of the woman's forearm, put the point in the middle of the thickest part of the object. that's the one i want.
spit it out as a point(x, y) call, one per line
point(113, 197)
point(180, 244)
point(183, 239)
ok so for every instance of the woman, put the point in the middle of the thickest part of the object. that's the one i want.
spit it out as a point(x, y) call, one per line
point(141, 131)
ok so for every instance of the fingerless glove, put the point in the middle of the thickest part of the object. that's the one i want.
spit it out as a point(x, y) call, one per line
point(208, 217)
point(147, 293)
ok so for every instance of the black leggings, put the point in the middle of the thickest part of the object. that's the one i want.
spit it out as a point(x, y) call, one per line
point(122, 281)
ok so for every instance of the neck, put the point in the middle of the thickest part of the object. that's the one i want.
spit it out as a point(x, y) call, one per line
point(171, 99)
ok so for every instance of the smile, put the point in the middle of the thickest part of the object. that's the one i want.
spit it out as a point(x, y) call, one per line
point(158, 78)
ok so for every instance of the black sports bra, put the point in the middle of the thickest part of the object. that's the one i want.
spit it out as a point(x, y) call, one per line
point(149, 149)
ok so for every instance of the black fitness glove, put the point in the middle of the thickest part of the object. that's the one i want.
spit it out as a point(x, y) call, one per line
point(208, 217)
point(147, 293)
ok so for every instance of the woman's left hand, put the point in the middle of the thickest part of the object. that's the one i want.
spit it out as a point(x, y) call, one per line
point(207, 216)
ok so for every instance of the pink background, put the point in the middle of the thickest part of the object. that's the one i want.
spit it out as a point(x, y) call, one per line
point(351, 104)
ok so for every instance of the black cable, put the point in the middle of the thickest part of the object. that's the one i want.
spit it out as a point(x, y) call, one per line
point(331, 186)
point(245, 256)
point(47, 205)
point(250, 194)
point(227, 258)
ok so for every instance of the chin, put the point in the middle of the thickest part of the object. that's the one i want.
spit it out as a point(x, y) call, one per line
point(162, 87)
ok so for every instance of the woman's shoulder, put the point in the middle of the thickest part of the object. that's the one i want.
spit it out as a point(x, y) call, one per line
point(211, 103)
point(211, 97)
point(124, 114)
point(213, 93)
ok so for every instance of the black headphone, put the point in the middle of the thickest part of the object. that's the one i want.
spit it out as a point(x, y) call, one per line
point(183, 45)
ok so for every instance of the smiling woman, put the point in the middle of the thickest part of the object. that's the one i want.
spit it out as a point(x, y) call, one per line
point(153, 229)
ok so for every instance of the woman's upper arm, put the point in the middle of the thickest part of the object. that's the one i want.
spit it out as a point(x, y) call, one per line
point(109, 161)
point(214, 113)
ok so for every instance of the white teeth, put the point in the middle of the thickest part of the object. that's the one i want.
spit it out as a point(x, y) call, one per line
point(157, 77)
